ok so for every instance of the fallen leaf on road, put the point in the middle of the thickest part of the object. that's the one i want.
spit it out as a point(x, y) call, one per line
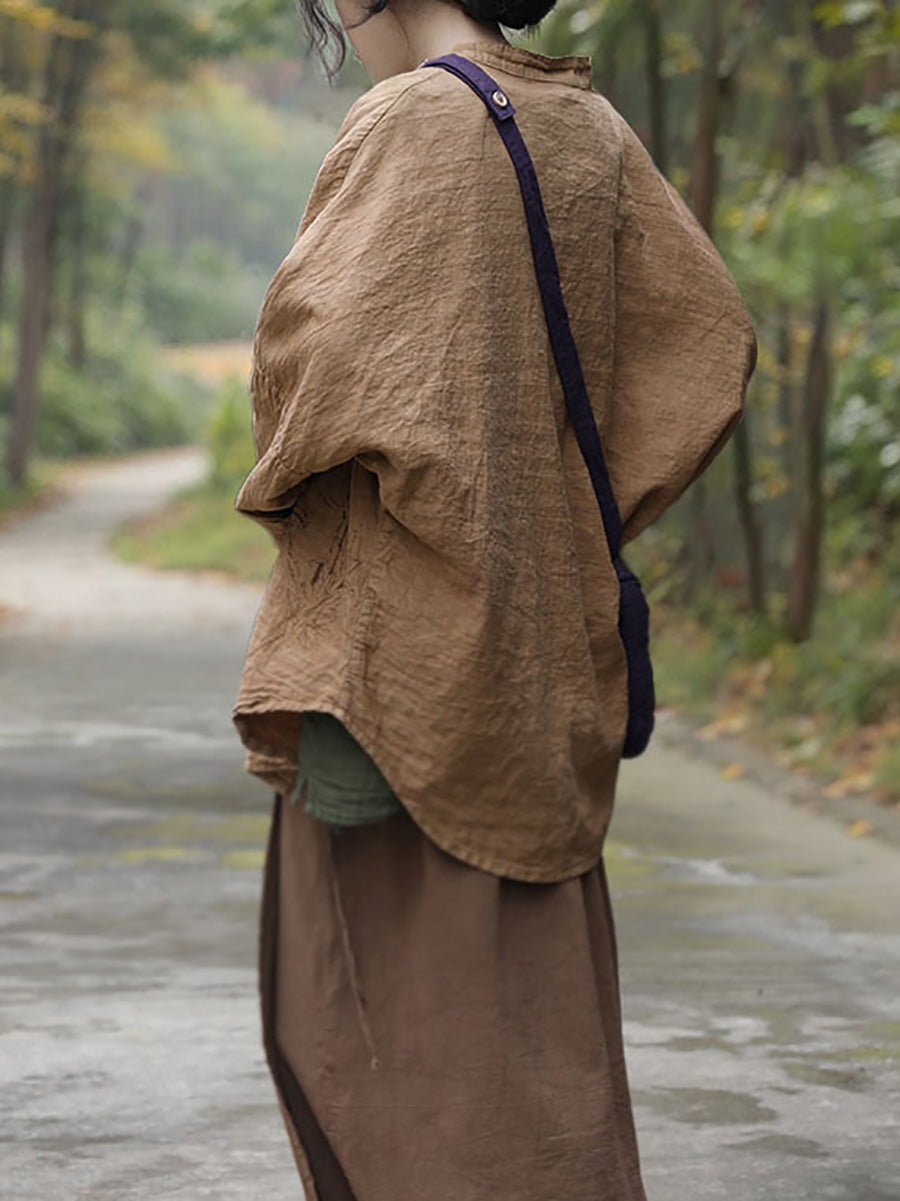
point(855, 781)
point(859, 828)
point(728, 723)
point(731, 771)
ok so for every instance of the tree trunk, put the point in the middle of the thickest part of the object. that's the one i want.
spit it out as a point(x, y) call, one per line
point(13, 79)
point(704, 160)
point(789, 437)
point(77, 298)
point(701, 545)
point(67, 72)
point(131, 243)
point(704, 187)
point(656, 92)
point(749, 519)
point(608, 70)
point(803, 585)
point(838, 141)
point(7, 208)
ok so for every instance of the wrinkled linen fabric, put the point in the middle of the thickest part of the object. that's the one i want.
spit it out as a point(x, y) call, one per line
point(443, 584)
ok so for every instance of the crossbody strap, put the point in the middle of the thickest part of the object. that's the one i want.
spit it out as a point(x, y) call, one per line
point(565, 351)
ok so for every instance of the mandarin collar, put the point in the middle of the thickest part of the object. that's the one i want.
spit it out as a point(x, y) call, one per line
point(574, 69)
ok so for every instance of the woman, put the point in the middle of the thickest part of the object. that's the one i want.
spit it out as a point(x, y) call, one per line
point(435, 685)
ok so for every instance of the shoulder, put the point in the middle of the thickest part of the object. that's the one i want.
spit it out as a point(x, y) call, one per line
point(395, 126)
point(421, 125)
point(388, 132)
point(425, 99)
point(430, 104)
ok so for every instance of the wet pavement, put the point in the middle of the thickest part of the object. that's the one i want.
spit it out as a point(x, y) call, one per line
point(759, 944)
point(761, 972)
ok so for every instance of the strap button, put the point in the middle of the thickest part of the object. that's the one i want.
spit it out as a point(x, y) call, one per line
point(499, 99)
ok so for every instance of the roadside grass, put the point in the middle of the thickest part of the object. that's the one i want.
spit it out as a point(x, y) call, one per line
point(41, 488)
point(199, 530)
point(887, 772)
point(830, 705)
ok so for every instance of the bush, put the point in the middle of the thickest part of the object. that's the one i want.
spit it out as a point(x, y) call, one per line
point(117, 403)
point(204, 294)
point(230, 436)
point(123, 399)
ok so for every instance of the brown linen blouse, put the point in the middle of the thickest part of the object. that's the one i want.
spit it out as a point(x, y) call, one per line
point(443, 584)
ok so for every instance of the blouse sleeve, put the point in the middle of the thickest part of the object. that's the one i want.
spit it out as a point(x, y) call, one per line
point(685, 348)
point(337, 361)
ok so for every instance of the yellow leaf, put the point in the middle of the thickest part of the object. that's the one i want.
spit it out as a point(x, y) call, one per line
point(728, 723)
point(854, 781)
point(732, 771)
point(43, 18)
point(859, 828)
point(777, 486)
point(883, 366)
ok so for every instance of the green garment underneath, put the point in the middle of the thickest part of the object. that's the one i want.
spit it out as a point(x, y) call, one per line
point(344, 785)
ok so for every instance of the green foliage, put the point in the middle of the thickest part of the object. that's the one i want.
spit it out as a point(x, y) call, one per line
point(833, 230)
point(849, 673)
point(243, 170)
point(120, 401)
point(37, 487)
point(820, 231)
point(226, 213)
point(880, 17)
point(230, 437)
point(202, 295)
point(169, 35)
point(248, 26)
point(887, 774)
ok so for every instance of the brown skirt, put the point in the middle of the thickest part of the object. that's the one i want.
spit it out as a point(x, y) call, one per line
point(437, 1033)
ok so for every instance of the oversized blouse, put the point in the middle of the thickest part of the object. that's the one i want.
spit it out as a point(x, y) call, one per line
point(443, 584)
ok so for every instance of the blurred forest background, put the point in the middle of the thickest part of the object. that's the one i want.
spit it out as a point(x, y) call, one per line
point(155, 158)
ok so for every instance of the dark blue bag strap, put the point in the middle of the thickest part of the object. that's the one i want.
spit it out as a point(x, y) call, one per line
point(565, 352)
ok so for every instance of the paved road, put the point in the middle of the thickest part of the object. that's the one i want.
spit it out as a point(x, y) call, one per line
point(759, 944)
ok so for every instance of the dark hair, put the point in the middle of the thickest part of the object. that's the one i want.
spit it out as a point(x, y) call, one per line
point(323, 31)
